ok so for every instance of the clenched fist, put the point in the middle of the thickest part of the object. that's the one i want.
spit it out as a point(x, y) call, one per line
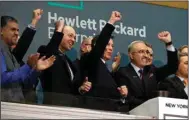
point(123, 90)
point(86, 86)
point(116, 16)
point(164, 36)
point(59, 25)
point(37, 13)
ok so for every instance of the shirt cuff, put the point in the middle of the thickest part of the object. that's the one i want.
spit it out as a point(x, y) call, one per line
point(31, 27)
point(171, 48)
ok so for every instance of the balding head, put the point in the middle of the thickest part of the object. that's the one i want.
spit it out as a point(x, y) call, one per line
point(68, 29)
point(131, 46)
point(68, 39)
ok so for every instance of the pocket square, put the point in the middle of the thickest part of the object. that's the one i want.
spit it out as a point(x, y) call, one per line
point(151, 74)
point(135, 76)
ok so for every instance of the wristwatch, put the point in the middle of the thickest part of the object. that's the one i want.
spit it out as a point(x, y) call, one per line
point(169, 43)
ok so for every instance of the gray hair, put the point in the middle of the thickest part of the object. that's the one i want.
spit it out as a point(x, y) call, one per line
point(182, 55)
point(87, 39)
point(130, 46)
point(181, 48)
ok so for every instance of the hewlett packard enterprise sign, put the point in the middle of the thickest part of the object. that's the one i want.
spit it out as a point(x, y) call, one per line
point(140, 21)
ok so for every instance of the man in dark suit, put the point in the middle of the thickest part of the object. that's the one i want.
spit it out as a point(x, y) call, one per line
point(177, 86)
point(141, 79)
point(100, 82)
point(58, 80)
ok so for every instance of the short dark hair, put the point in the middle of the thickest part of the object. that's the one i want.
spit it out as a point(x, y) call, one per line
point(6, 19)
point(96, 38)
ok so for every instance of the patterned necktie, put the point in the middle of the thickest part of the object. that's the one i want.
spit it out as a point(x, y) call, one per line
point(68, 66)
point(141, 73)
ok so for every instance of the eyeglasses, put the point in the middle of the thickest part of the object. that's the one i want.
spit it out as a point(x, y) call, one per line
point(144, 52)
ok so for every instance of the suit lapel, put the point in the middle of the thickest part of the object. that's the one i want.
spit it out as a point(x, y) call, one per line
point(64, 64)
point(179, 86)
point(146, 79)
point(135, 78)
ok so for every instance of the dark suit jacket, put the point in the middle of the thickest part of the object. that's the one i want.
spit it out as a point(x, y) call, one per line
point(174, 86)
point(137, 94)
point(56, 80)
point(103, 84)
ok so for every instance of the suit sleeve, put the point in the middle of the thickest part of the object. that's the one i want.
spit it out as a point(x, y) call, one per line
point(54, 43)
point(121, 79)
point(23, 43)
point(166, 85)
point(101, 42)
point(170, 68)
point(89, 60)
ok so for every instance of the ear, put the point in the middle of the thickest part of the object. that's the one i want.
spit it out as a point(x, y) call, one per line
point(1, 31)
point(130, 55)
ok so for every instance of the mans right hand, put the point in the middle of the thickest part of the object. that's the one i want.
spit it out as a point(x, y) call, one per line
point(59, 25)
point(116, 16)
point(123, 90)
point(44, 63)
point(37, 13)
point(32, 60)
point(165, 36)
point(86, 86)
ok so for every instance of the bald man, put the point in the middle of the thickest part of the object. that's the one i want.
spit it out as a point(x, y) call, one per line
point(58, 80)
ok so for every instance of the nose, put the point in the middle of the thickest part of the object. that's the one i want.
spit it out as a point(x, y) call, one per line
point(110, 48)
point(17, 32)
point(73, 40)
point(146, 55)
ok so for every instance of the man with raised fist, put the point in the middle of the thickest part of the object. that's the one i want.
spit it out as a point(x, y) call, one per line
point(58, 80)
point(98, 81)
point(141, 79)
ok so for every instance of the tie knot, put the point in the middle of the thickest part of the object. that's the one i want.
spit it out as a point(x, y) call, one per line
point(140, 71)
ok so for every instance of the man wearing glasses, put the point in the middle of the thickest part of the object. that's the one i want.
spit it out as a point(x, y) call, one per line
point(141, 79)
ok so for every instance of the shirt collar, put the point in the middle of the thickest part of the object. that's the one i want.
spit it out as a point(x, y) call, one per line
point(181, 78)
point(60, 52)
point(136, 69)
point(103, 60)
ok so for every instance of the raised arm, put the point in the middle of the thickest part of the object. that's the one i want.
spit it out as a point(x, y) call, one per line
point(56, 39)
point(27, 36)
point(172, 58)
point(105, 36)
